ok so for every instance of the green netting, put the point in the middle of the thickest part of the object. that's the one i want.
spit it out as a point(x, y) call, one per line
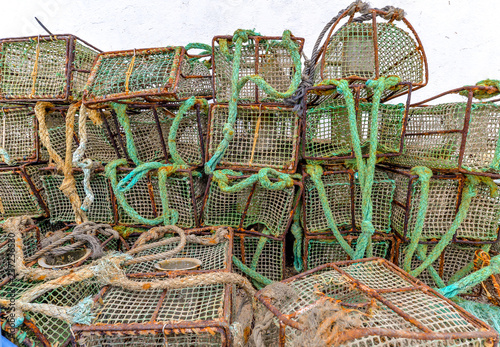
point(16, 195)
point(271, 259)
point(273, 62)
point(325, 251)
point(179, 196)
point(35, 68)
point(60, 207)
point(440, 150)
point(310, 298)
point(152, 73)
point(351, 52)
point(268, 209)
point(338, 192)
point(327, 129)
point(481, 222)
point(264, 136)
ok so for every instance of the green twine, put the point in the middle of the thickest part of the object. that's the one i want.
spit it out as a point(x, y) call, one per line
point(484, 94)
point(254, 275)
point(169, 216)
point(81, 312)
point(124, 120)
point(487, 313)
point(424, 176)
point(241, 36)
point(298, 234)
point(172, 144)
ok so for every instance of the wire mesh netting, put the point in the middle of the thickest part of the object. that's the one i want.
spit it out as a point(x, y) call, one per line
point(101, 209)
point(344, 196)
point(144, 198)
point(260, 55)
point(480, 224)
point(328, 250)
point(264, 136)
point(269, 258)
point(386, 312)
point(454, 258)
point(355, 51)
point(149, 317)
point(261, 209)
point(212, 257)
point(18, 192)
point(158, 73)
point(327, 130)
point(434, 137)
point(36, 68)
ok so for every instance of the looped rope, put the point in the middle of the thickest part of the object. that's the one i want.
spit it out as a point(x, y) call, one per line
point(222, 179)
point(68, 186)
point(240, 37)
point(169, 216)
point(485, 93)
point(172, 144)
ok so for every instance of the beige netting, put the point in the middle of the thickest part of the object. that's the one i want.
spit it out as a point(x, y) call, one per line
point(343, 200)
point(327, 134)
point(266, 210)
point(7, 250)
point(481, 222)
point(264, 136)
point(433, 137)
point(36, 68)
point(332, 310)
point(260, 55)
point(18, 188)
point(157, 73)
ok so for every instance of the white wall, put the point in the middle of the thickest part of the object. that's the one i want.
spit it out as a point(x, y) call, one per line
point(460, 37)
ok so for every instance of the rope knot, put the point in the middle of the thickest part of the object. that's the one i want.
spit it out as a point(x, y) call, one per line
point(284, 179)
point(424, 173)
point(394, 13)
point(242, 34)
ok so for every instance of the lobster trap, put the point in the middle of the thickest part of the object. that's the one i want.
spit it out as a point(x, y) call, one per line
point(147, 75)
point(191, 316)
point(454, 136)
point(61, 210)
point(378, 43)
point(323, 249)
point(367, 302)
point(48, 330)
point(267, 211)
point(185, 190)
point(480, 226)
point(44, 68)
point(149, 129)
point(264, 136)
point(21, 192)
point(327, 130)
point(213, 254)
point(343, 193)
point(266, 56)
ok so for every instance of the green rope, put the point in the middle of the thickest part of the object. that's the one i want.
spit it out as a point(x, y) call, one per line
point(241, 36)
point(222, 179)
point(484, 94)
point(169, 216)
point(258, 252)
point(467, 269)
point(298, 234)
point(315, 172)
point(468, 193)
point(197, 45)
point(422, 255)
point(121, 114)
point(254, 275)
point(472, 280)
point(172, 144)
point(487, 313)
point(424, 176)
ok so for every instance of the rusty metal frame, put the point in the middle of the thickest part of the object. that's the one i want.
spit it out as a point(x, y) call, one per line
point(69, 69)
point(378, 236)
point(327, 90)
point(290, 167)
point(298, 40)
point(153, 95)
point(464, 131)
point(299, 190)
point(483, 330)
point(412, 179)
point(375, 13)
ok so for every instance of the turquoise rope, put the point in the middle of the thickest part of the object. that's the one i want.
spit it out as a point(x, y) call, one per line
point(252, 273)
point(221, 177)
point(298, 234)
point(121, 114)
point(241, 36)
